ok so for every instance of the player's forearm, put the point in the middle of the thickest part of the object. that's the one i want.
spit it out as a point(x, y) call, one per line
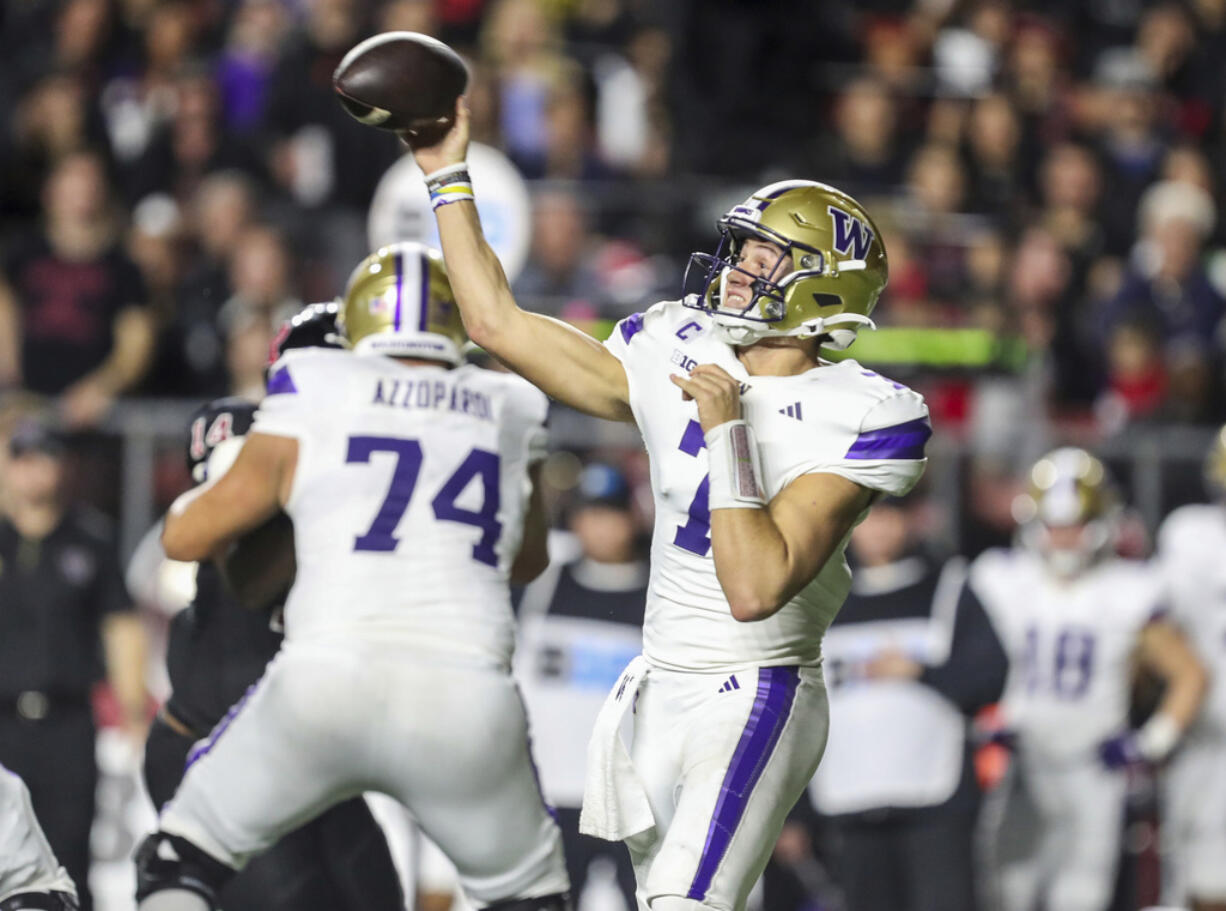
point(481, 288)
point(126, 650)
point(1185, 691)
point(752, 561)
point(564, 363)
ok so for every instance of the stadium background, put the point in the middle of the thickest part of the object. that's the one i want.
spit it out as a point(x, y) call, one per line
point(1046, 176)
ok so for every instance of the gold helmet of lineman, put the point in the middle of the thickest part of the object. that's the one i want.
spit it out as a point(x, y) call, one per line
point(398, 302)
point(1215, 466)
point(1070, 512)
point(837, 259)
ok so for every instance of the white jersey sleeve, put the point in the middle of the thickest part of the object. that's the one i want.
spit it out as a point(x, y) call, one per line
point(835, 418)
point(299, 385)
point(886, 448)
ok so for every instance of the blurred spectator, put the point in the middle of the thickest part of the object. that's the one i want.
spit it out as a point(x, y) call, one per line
point(66, 624)
point(1167, 283)
point(73, 321)
point(1129, 142)
point(911, 658)
point(560, 275)
point(632, 121)
point(245, 64)
point(155, 243)
point(54, 118)
point(320, 155)
point(138, 103)
point(863, 153)
point(192, 143)
point(522, 44)
point(1137, 379)
point(996, 168)
point(579, 624)
point(191, 358)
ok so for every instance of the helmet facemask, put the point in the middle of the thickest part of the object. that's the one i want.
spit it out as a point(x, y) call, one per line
point(837, 267)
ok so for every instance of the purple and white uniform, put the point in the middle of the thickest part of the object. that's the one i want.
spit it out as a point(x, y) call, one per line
point(408, 504)
point(27, 863)
point(1070, 644)
point(731, 717)
point(1190, 547)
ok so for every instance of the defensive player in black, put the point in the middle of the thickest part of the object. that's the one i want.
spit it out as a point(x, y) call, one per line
point(218, 648)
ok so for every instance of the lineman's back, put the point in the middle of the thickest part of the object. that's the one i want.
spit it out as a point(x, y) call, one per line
point(408, 498)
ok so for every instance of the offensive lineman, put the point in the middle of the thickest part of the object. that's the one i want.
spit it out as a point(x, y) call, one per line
point(219, 646)
point(408, 480)
point(30, 876)
point(1191, 543)
point(763, 458)
point(1073, 618)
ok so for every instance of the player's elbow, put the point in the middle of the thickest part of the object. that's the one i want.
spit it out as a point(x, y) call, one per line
point(180, 543)
point(749, 606)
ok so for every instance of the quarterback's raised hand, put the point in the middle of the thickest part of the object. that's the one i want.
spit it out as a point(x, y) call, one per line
point(452, 148)
point(717, 394)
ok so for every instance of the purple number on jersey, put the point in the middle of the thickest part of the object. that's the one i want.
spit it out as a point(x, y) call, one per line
point(483, 464)
point(480, 463)
point(380, 537)
point(694, 535)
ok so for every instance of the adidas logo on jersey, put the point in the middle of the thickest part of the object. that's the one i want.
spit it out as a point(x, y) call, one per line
point(729, 685)
point(792, 411)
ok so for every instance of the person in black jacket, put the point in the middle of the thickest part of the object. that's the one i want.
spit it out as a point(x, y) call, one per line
point(910, 659)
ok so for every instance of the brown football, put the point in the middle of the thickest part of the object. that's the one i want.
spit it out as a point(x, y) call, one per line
point(402, 81)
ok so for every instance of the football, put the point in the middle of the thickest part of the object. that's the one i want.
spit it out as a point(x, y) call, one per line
point(402, 81)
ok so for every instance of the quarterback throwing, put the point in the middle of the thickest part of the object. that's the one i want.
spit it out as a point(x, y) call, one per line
point(763, 458)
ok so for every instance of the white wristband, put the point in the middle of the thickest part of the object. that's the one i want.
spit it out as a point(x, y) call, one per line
point(734, 469)
point(1158, 736)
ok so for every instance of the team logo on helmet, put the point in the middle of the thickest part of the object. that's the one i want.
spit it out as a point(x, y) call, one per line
point(830, 270)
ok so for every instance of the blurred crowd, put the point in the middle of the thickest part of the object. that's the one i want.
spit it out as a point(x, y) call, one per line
point(176, 177)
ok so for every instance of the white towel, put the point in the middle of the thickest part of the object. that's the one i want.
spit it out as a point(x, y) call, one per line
point(615, 804)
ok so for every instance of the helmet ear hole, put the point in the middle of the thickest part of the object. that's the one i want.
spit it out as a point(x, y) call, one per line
point(828, 300)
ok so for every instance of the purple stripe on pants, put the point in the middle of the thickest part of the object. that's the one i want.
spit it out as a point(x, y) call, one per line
point(201, 749)
point(771, 708)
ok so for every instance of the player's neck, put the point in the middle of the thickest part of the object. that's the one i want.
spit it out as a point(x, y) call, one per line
point(778, 357)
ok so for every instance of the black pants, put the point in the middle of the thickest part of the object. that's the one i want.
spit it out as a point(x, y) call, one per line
point(911, 860)
point(339, 860)
point(55, 758)
point(582, 850)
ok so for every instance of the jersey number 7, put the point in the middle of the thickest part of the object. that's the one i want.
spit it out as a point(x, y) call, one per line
point(479, 463)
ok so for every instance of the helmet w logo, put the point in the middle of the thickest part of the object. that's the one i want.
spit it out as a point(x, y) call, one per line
point(852, 237)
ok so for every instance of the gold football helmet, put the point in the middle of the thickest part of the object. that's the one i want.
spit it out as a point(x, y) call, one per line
point(1070, 512)
point(837, 259)
point(1215, 466)
point(398, 302)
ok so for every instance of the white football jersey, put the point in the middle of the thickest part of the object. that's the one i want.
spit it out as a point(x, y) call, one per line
point(408, 500)
point(1191, 546)
point(837, 418)
point(1070, 645)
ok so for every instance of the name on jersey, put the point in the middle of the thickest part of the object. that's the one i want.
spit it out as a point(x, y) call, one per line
point(433, 394)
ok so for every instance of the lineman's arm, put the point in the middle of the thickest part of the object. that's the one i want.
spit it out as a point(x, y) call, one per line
point(565, 363)
point(1163, 650)
point(203, 520)
point(763, 557)
point(533, 554)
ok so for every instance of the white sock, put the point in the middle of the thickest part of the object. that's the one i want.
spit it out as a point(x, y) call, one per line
point(174, 900)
